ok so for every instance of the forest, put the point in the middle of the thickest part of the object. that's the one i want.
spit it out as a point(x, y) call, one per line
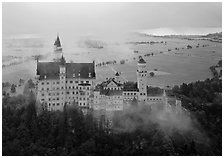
point(28, 132)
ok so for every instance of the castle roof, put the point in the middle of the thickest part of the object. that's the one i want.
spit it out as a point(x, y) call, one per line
point(131, 86)
point(109, 92)
point(62, 60)
point(117, 74)
point(73, 70)
point(112, 80)
point(57, 42)
point(141, 61)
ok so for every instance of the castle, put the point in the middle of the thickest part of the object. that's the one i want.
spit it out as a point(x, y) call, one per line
point(60, 83)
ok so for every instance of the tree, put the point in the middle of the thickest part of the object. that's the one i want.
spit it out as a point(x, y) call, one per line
point(122, 62)
point(220, 63)
point(152, 74)
point(13, 88)
point(31, 84)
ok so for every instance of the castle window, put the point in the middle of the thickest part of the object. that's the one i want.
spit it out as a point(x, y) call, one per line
point(42, 99)
point(73, 92)
point(70, 81)
point(49, 104)
point(87, 81)
point(47, 82)
point(58, 104)
point(76, 82)
point(57, 82)
point(49, 99)
point(140, 93)
point(47, 89)
point(76, 92)
point(80, 104)
point(42, 83)
point(62, 87)
point(67, 92)
point(42, 94)
point(87, 88)
point(83, 103)
point(66, 81)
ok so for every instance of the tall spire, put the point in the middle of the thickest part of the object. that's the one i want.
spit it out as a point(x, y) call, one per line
point(57, 42)
point(62, 61)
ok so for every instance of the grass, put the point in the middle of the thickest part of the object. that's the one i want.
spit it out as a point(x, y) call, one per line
point(174, 67)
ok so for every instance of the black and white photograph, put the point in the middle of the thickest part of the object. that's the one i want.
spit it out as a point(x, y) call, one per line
point(111, 78)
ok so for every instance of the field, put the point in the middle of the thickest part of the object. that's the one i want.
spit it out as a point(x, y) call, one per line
point(173, 67)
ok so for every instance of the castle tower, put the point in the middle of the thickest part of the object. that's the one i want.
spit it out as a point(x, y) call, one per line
point(57, 48)
point(117, 78)
point(62, 76)
point(142, 79)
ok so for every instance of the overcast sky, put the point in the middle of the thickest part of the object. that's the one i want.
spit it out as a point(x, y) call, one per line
point(36, 18)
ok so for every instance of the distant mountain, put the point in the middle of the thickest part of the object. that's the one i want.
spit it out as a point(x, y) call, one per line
point(217, 35)
point(186, 31)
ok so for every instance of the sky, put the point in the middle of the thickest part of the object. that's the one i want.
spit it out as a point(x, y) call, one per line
point(108, 19)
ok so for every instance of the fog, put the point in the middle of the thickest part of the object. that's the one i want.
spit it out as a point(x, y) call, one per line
point(106, 20)
point(157, 116)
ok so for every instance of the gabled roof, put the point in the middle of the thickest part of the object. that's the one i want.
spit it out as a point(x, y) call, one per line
point(73, 70)
point(141, 61)
point(48, 69)
point(112, 80)
point(117, 74)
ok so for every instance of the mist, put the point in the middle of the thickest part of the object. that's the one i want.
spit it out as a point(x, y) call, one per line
point(169, 122)
point(106, 20)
